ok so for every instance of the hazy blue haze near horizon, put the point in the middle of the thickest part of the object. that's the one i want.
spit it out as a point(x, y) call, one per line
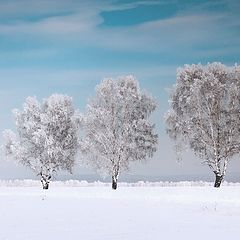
point(68, 47)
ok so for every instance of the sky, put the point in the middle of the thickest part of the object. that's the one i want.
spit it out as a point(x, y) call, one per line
point(69, 46)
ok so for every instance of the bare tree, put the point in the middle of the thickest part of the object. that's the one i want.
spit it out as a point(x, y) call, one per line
point(117, 127)
point(47, 136)
point(204, 114)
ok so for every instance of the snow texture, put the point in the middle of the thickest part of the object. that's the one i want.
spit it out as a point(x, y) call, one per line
point(131, 213)
point(84, 183)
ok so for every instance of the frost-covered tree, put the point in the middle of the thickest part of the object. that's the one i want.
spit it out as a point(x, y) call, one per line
point(46, 140)
point(117, 127)
point(204, 114)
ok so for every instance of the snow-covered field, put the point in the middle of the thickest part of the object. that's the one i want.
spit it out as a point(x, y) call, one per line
point(133, 213)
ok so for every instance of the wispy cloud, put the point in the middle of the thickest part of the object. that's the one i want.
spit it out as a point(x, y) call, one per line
point(80, 20)
point(64, 77)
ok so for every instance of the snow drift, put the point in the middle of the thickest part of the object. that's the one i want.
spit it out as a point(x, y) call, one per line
point(83, 183)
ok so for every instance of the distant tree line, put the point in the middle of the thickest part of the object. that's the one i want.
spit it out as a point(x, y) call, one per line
point(116, 129)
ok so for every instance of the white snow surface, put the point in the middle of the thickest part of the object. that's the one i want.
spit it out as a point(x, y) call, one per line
point(141, 212)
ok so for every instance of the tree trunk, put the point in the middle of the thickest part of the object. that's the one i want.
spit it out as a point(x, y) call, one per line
point(114, 183)
point(45, 180)
point(45, 185)
point(218, 180)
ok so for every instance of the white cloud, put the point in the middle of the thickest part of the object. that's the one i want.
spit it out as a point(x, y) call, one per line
point(78, 22)
point(78, 76)
point(29, 54)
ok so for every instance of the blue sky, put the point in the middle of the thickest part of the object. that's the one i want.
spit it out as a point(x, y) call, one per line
point(69, 46)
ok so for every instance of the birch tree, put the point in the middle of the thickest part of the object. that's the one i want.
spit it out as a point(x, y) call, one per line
point(117, 127)
point(204, 114)
point(46, 138)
